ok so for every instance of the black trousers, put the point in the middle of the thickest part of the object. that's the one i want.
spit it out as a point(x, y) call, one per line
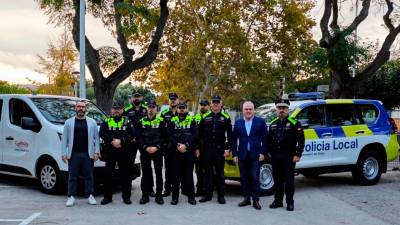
point(169, 163)
point(214, 160)
point(283, 173)
point(121, 158)
point(183, 164)
point(199, 169)
point(147, 172)
point(249, 175)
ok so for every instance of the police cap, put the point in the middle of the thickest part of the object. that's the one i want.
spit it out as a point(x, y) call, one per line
point(117, 105)
point(172, 96)
point(204, 102)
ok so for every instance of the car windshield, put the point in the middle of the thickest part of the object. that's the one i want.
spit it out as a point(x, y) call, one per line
point(58, 110)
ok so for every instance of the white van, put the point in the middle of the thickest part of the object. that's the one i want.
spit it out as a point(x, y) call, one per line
point(31, 129)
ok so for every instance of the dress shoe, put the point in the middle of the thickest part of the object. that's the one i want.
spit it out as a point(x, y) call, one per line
point(127, 201)
point(105, 201)
point(245, 202)
point(256, 205)
point(144, 199)
point(152, 194)
point(290, 207)
point(221, 200)
point(174, 201)
point(205, 199)
point(159, 200)
point(192, 201)
point(166, 193)
point(275, 205)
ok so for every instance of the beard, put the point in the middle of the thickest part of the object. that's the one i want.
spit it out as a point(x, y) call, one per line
point(203, 110)
point(136, 102)
point(80, 113)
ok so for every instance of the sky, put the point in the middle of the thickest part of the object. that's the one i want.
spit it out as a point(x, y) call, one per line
point(26, 33)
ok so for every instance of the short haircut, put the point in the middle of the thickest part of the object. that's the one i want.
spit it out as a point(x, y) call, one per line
point(248, 103)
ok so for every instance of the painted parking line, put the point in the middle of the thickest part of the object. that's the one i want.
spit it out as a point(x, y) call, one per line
point(22, 221)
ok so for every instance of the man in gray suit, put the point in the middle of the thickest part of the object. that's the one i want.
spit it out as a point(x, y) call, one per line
point(80, 148)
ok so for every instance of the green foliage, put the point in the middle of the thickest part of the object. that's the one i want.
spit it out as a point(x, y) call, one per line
point(384, 85)
point(7, 88)
point(124, 92)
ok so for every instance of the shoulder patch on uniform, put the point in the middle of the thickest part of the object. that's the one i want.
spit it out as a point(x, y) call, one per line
point(274, 120)
point(128, 107)
point(226, 115)
point(292, 121)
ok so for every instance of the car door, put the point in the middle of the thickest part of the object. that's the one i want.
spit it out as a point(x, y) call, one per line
point(317, 134)
point(350, 133)
point(19, 152)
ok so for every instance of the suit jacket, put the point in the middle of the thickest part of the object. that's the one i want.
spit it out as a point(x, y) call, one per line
point(257, 139)
point(67, 140)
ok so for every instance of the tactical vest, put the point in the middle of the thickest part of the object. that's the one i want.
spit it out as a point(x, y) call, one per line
point(151, 130)
point(182, 131)
point(199, 116)
point(117, 128)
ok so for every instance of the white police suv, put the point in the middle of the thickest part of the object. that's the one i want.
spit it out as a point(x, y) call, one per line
point(341, 135)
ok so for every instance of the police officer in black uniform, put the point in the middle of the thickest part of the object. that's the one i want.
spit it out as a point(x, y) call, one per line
point(216, 136)
point(150, 136)
point(135, 111)
point(285, 146)
point(167, 115)
point(117, 132)
point(183, 138)
point(198, 162)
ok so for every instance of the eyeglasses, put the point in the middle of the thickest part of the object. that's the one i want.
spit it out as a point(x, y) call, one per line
point(216, 102)
point(181, 107)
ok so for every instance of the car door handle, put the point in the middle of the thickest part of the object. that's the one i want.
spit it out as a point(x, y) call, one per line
point(360, 132)
point(327, 135)
point(9, 138)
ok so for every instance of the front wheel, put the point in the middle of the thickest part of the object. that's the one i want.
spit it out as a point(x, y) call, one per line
point(368, 169)
point(267, 184)
point(50, 178)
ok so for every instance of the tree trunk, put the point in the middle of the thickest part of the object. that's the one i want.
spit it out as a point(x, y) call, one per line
point(342, 85)
point(104, 93)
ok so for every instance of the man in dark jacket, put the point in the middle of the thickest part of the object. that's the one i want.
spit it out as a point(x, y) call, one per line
point(285, 146)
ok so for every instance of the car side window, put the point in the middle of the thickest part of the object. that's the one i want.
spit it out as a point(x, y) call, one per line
point(313, 116)
point(19, 109)
point(343, 115)
point(369, 113)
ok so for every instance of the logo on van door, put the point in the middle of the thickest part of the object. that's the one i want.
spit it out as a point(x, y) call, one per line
point(22, 144)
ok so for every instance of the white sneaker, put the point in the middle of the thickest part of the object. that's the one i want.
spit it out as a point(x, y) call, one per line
point(70, 201)
point(92, 200)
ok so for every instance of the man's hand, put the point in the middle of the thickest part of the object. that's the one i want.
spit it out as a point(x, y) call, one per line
point(116, 143)
point(181, 148)
point(235, 159)
point(96, 157)
point(296, 159)
point(226, 153)
point(64, 158)
point(261, 157)
point(197, 153)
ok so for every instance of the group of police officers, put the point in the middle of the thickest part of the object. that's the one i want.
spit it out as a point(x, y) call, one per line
point(176, 141)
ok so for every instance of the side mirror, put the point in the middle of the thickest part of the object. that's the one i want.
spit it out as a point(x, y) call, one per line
point(28, 123)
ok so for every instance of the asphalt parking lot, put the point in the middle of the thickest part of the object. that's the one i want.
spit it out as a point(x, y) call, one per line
point(329, 199)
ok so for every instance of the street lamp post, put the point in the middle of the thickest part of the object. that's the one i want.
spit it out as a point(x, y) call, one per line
point(82, 55)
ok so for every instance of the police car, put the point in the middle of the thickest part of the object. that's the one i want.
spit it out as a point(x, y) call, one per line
point(341, 135)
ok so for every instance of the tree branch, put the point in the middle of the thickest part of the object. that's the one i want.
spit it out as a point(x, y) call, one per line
point(92, 55)
point(127, 53)
point(386, 17)
point(382, 56)
point(125, 70)
point(335, 10)
point(360, 18)
point(326, 36)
